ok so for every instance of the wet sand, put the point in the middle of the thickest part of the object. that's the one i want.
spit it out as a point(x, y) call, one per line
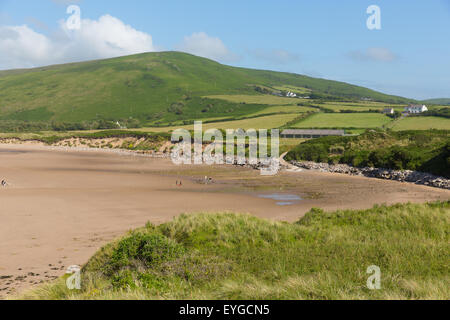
point(62, 206)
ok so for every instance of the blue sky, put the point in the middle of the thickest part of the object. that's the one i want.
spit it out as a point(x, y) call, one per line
point(409, 56)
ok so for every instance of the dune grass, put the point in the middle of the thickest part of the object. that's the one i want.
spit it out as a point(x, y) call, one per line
point(234, 256)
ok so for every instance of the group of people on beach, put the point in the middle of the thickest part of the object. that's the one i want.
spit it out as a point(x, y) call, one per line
point(208, 180)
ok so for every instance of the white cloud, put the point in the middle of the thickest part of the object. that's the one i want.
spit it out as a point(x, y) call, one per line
point(22, 47)
point(201, 44)
point(374, 54)
point(107, 37)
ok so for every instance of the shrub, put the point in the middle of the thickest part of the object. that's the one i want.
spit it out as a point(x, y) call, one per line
point(142, 249)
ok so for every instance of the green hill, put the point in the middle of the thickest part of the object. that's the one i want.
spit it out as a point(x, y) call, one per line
point(441, 101)
point(152, 88)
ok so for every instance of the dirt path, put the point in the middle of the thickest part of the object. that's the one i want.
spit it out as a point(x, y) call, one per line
point(61, 207)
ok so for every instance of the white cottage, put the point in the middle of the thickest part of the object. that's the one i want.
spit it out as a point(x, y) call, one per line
point(416, 108)
point(291, 95)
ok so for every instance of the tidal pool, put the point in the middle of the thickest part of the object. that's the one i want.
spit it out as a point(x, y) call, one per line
point(282, 199)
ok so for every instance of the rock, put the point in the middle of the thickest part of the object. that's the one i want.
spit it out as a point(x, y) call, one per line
point(397, 175)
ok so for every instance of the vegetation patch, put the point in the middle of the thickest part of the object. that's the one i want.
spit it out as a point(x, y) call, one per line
point(324, 255)
point(427, 151)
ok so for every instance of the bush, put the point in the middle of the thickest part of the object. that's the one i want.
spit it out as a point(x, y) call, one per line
point(142, 249)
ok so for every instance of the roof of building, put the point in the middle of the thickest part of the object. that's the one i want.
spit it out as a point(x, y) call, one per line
point(416, 106)
point(313, 132)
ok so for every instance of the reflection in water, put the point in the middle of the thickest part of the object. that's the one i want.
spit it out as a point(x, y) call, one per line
point(283, 199)
point(12, 151)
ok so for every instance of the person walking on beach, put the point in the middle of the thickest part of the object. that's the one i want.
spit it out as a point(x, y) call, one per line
point(4, 183)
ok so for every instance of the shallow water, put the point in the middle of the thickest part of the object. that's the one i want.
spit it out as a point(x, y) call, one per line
point(12, 151)
point(282, 199)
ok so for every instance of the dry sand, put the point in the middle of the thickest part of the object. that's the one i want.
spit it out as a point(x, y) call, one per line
point(61, 207)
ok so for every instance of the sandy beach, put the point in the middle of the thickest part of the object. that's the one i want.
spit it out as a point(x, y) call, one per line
point(60, 207)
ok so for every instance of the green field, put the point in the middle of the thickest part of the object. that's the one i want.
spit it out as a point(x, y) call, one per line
point(344, 120)
point(263, 122)
point(257, 99)
point(358, 107)
point(284, 109)
point(227, 256)
point(298, 90)
point(421, 123)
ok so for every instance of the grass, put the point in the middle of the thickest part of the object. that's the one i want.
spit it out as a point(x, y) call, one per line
point(345, 120)
point(421, 123)
point(324, 255)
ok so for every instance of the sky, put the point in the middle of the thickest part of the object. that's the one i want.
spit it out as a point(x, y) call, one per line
point(408, 55)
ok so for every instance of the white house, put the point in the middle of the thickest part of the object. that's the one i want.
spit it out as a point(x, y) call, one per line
point(120, 126)
point(291, 94)
point(416, 108)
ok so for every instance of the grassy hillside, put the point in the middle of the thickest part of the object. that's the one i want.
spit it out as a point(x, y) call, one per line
point(228, 256)
point(441, 101)
point(427, 151)
point(154, 88)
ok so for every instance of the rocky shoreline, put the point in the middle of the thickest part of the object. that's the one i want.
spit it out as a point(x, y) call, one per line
point(387, 174)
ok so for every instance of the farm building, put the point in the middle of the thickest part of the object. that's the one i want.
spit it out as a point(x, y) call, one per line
point(416, 108)
point(310, 134)
point(388, 111)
